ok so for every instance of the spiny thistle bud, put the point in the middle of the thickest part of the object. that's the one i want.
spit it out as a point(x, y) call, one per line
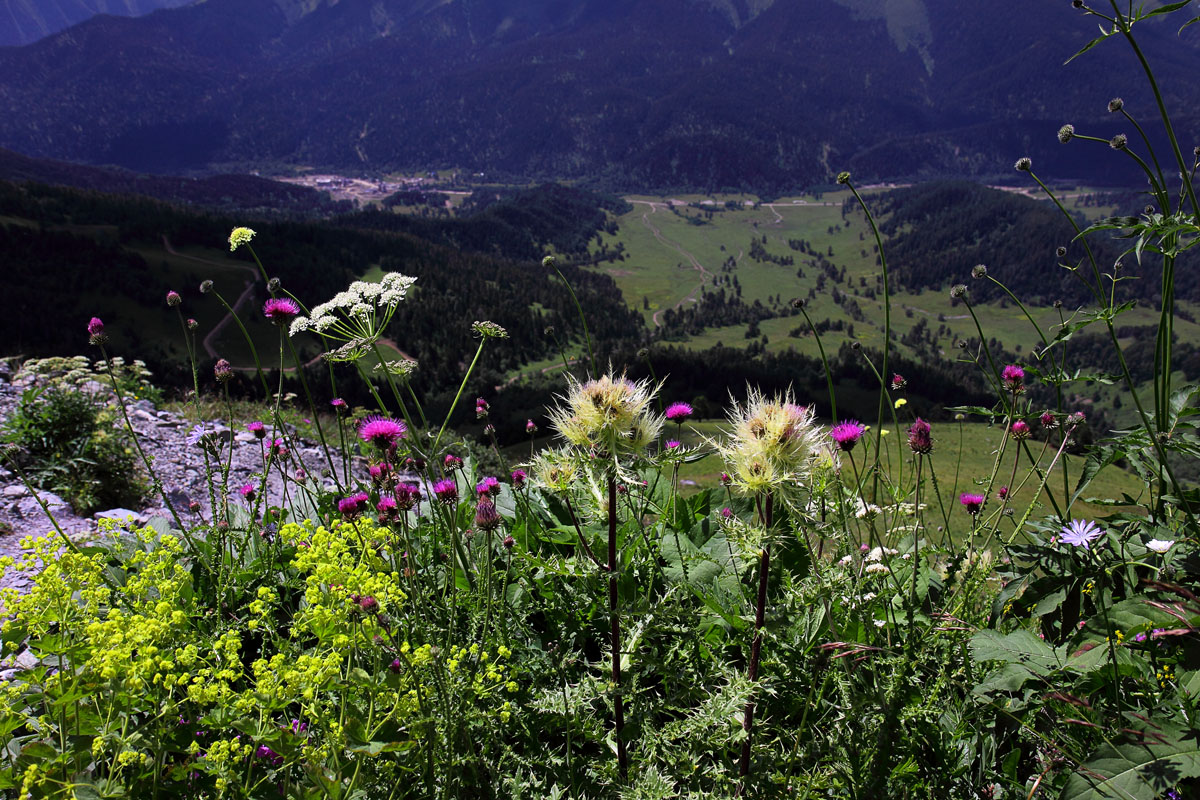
point(1076, 419)
point(488, 330)
point(979, 271)
point(486, 516)
point(1020, 430)
point(1024, 164)
point(173, 298)
point(773, 444)
point(508, 542)
point(530, 427)
point(843, 178)
point(1048, 420)
point(958, 291)
point(192, 324)
point(273, 285)
point(1119, 142)
point(206, 287)
point(1076, 3)
point(920, 438)
point(898, 382)
point(1115, 105)
point(223, 371)
point(1060, 251)
point(1066, 133)
point(239, 237)
point(1013, 377)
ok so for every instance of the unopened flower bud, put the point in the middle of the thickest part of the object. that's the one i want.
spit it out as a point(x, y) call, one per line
point(843, 178)
point(1119, 142)
point(206, 287)
point(958, 291)
point(1115, 105)
point(1066, 133)
point(173, 298)
point(273, 285)
point(1060, 251)
point(1024, 164)
point(979, 271)
point(192, 324)
point(223, 371)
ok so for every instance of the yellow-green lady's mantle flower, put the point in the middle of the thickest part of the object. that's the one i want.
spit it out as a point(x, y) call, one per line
point(609, 414)
point(239, 237)
point(772, 444)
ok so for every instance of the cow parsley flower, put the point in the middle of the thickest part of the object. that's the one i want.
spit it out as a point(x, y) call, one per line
point(357, 316)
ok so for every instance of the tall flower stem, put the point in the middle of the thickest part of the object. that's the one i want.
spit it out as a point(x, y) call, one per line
point(587, 337)
point(615, 630)
point(478, 351)
point(764, 571)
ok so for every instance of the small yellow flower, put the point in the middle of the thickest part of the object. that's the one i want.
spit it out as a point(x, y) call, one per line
point(239, 237)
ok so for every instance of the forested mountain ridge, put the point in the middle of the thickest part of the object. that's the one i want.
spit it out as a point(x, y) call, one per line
point(662, 94)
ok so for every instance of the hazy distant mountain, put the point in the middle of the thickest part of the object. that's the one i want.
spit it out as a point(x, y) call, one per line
point(651, 93)
point(25, 21)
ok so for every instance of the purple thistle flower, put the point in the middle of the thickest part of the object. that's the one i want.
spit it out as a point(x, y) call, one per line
point(1013, 377)
point(257, 428)
point(919, 438)
point(1081, 533)
point(382, 432)
point(407, 496)
point(672, 444)
point(248, 492)
point(488, 486)
point(1002, 493)
point(222, 371)
point(1020, 429)
point(351, 506)
point(379, 472)
point(452, 462)
point(973, 503)
point(446, 490)
point(519, 476)
point(1048, 420)
point(95, 331)
point(338, 404)
point(281, 310)
point(279, 449)
point(847, 434)
point(394, 667)
point(530, 427)
point(173, 298)
point(898, 382)
point(678, 412)
point(486, 516)
point(386, 507)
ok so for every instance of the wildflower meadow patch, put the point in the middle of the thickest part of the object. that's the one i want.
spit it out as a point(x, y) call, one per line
point(411, 615)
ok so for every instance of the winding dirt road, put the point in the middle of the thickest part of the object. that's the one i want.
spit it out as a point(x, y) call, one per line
point(696, 265)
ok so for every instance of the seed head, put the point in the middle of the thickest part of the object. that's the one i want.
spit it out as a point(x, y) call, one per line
point(1066, 133)
point(958, 291)
point(979, 271)
point(549, 262)
point(206, 287)
point(1119, 142)
point(1024, 164)
point(273, 285)
point(1115, 105)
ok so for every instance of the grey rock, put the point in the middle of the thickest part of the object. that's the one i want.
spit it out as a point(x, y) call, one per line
point(120, 515)
point(15, 490)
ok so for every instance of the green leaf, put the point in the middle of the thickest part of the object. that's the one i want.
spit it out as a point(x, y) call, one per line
point(1087, 47)
point(1140, 767)
point(1018, 647)
point(1167, 9)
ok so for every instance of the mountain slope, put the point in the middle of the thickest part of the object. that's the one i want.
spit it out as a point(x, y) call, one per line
point(26, 21)
point(669, 93)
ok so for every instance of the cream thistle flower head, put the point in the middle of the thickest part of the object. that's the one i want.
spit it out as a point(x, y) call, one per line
point(357, 316)
point(609, 414)
point(772, 445)
point(239, 237)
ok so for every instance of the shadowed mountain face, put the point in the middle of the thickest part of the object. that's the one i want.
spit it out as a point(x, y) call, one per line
point(26, 21)
point(649, 93)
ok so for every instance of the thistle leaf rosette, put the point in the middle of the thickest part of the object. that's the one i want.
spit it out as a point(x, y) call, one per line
point(610, 415)
point(772, 445)
point(356, 317)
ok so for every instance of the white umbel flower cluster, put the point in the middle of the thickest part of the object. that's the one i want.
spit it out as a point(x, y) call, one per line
point(357, 316)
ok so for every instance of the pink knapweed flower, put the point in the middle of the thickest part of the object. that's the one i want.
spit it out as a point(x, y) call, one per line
point(847, 434)
point(678, 412)
point(452, 462)
point(222, 371)
point(519, 476)
point(281, 310)
point(407, 496)
point(338, 404)
point(383, 432)
point(1020, 429)
point(351, 506)
point(973, 503)
point(257, 428)
point(489, 486)
point(1002, 493)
